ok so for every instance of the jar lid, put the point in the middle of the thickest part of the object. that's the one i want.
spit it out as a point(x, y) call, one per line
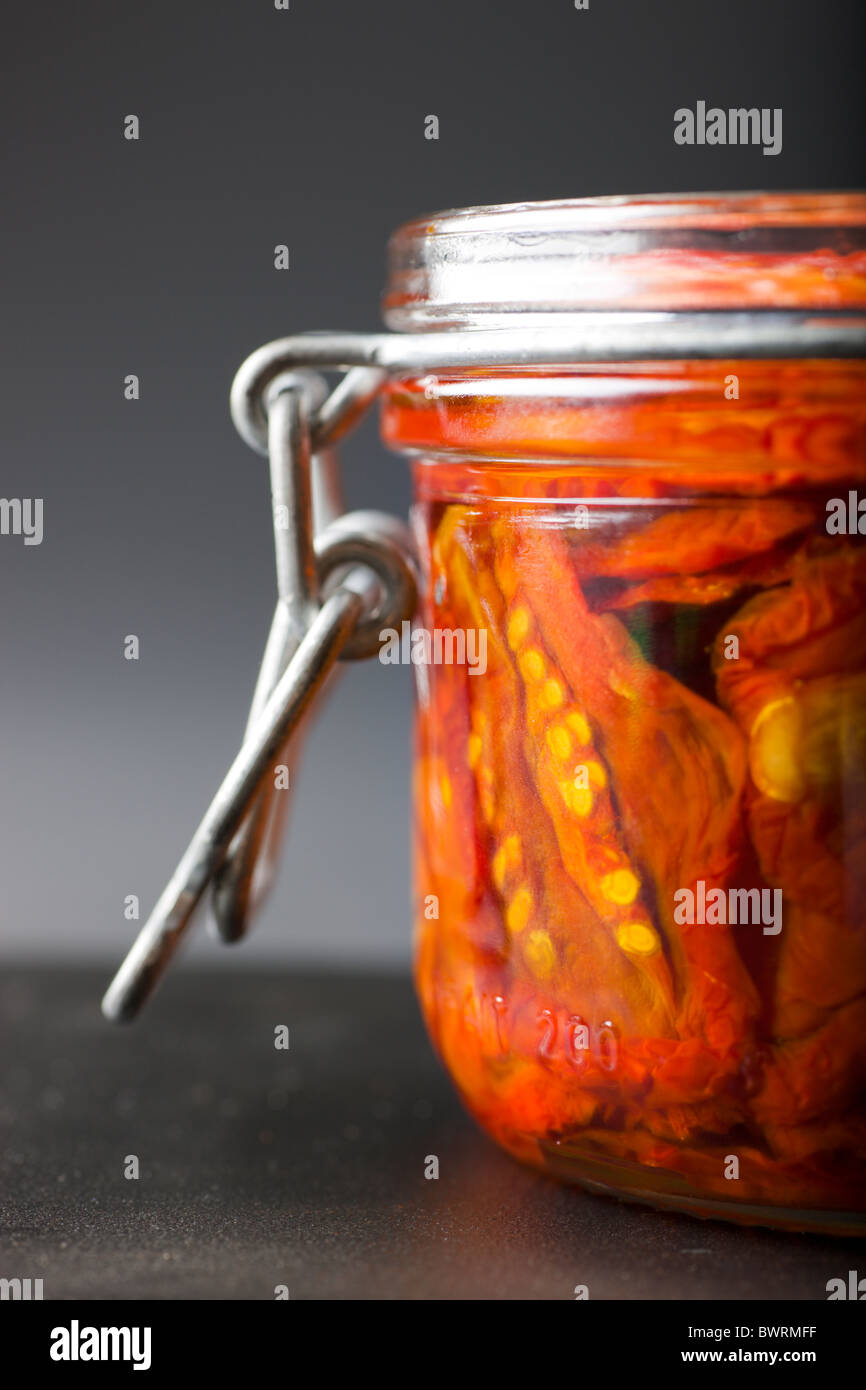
point(481, 266)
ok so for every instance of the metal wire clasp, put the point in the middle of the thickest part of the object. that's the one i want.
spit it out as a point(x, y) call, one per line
point(341, 579)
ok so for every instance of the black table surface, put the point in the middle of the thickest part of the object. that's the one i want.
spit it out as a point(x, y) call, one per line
point(305, 1168)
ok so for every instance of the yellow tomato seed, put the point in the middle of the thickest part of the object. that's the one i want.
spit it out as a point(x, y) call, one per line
point(553, 694)
point(579, 727)
point(518, 910)
point(577, 799)
point(638, 938)
point(518, 627)
point(532, 664)
point(597, 774)
point(559, 741)
point(513, 851)
point(540, 954)
point(620, 887)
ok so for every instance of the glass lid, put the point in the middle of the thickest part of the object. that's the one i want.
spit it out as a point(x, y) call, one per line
point(479, 267)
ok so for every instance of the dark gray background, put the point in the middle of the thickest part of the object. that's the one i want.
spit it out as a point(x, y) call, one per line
point(259, 127)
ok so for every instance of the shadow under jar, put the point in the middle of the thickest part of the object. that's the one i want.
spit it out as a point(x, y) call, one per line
point(640, 778)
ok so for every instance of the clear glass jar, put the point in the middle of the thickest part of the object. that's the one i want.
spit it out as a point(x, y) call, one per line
point(640, 819)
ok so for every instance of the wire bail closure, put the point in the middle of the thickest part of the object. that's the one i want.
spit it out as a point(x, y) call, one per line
point(341, 579)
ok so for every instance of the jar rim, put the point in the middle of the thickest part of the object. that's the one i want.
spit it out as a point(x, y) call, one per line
point(479, 266)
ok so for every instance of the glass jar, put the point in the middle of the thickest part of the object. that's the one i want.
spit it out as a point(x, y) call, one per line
point(638, 434)
point(640, 767)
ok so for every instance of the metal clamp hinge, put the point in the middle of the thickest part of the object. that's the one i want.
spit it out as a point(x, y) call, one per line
point(341, 579)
